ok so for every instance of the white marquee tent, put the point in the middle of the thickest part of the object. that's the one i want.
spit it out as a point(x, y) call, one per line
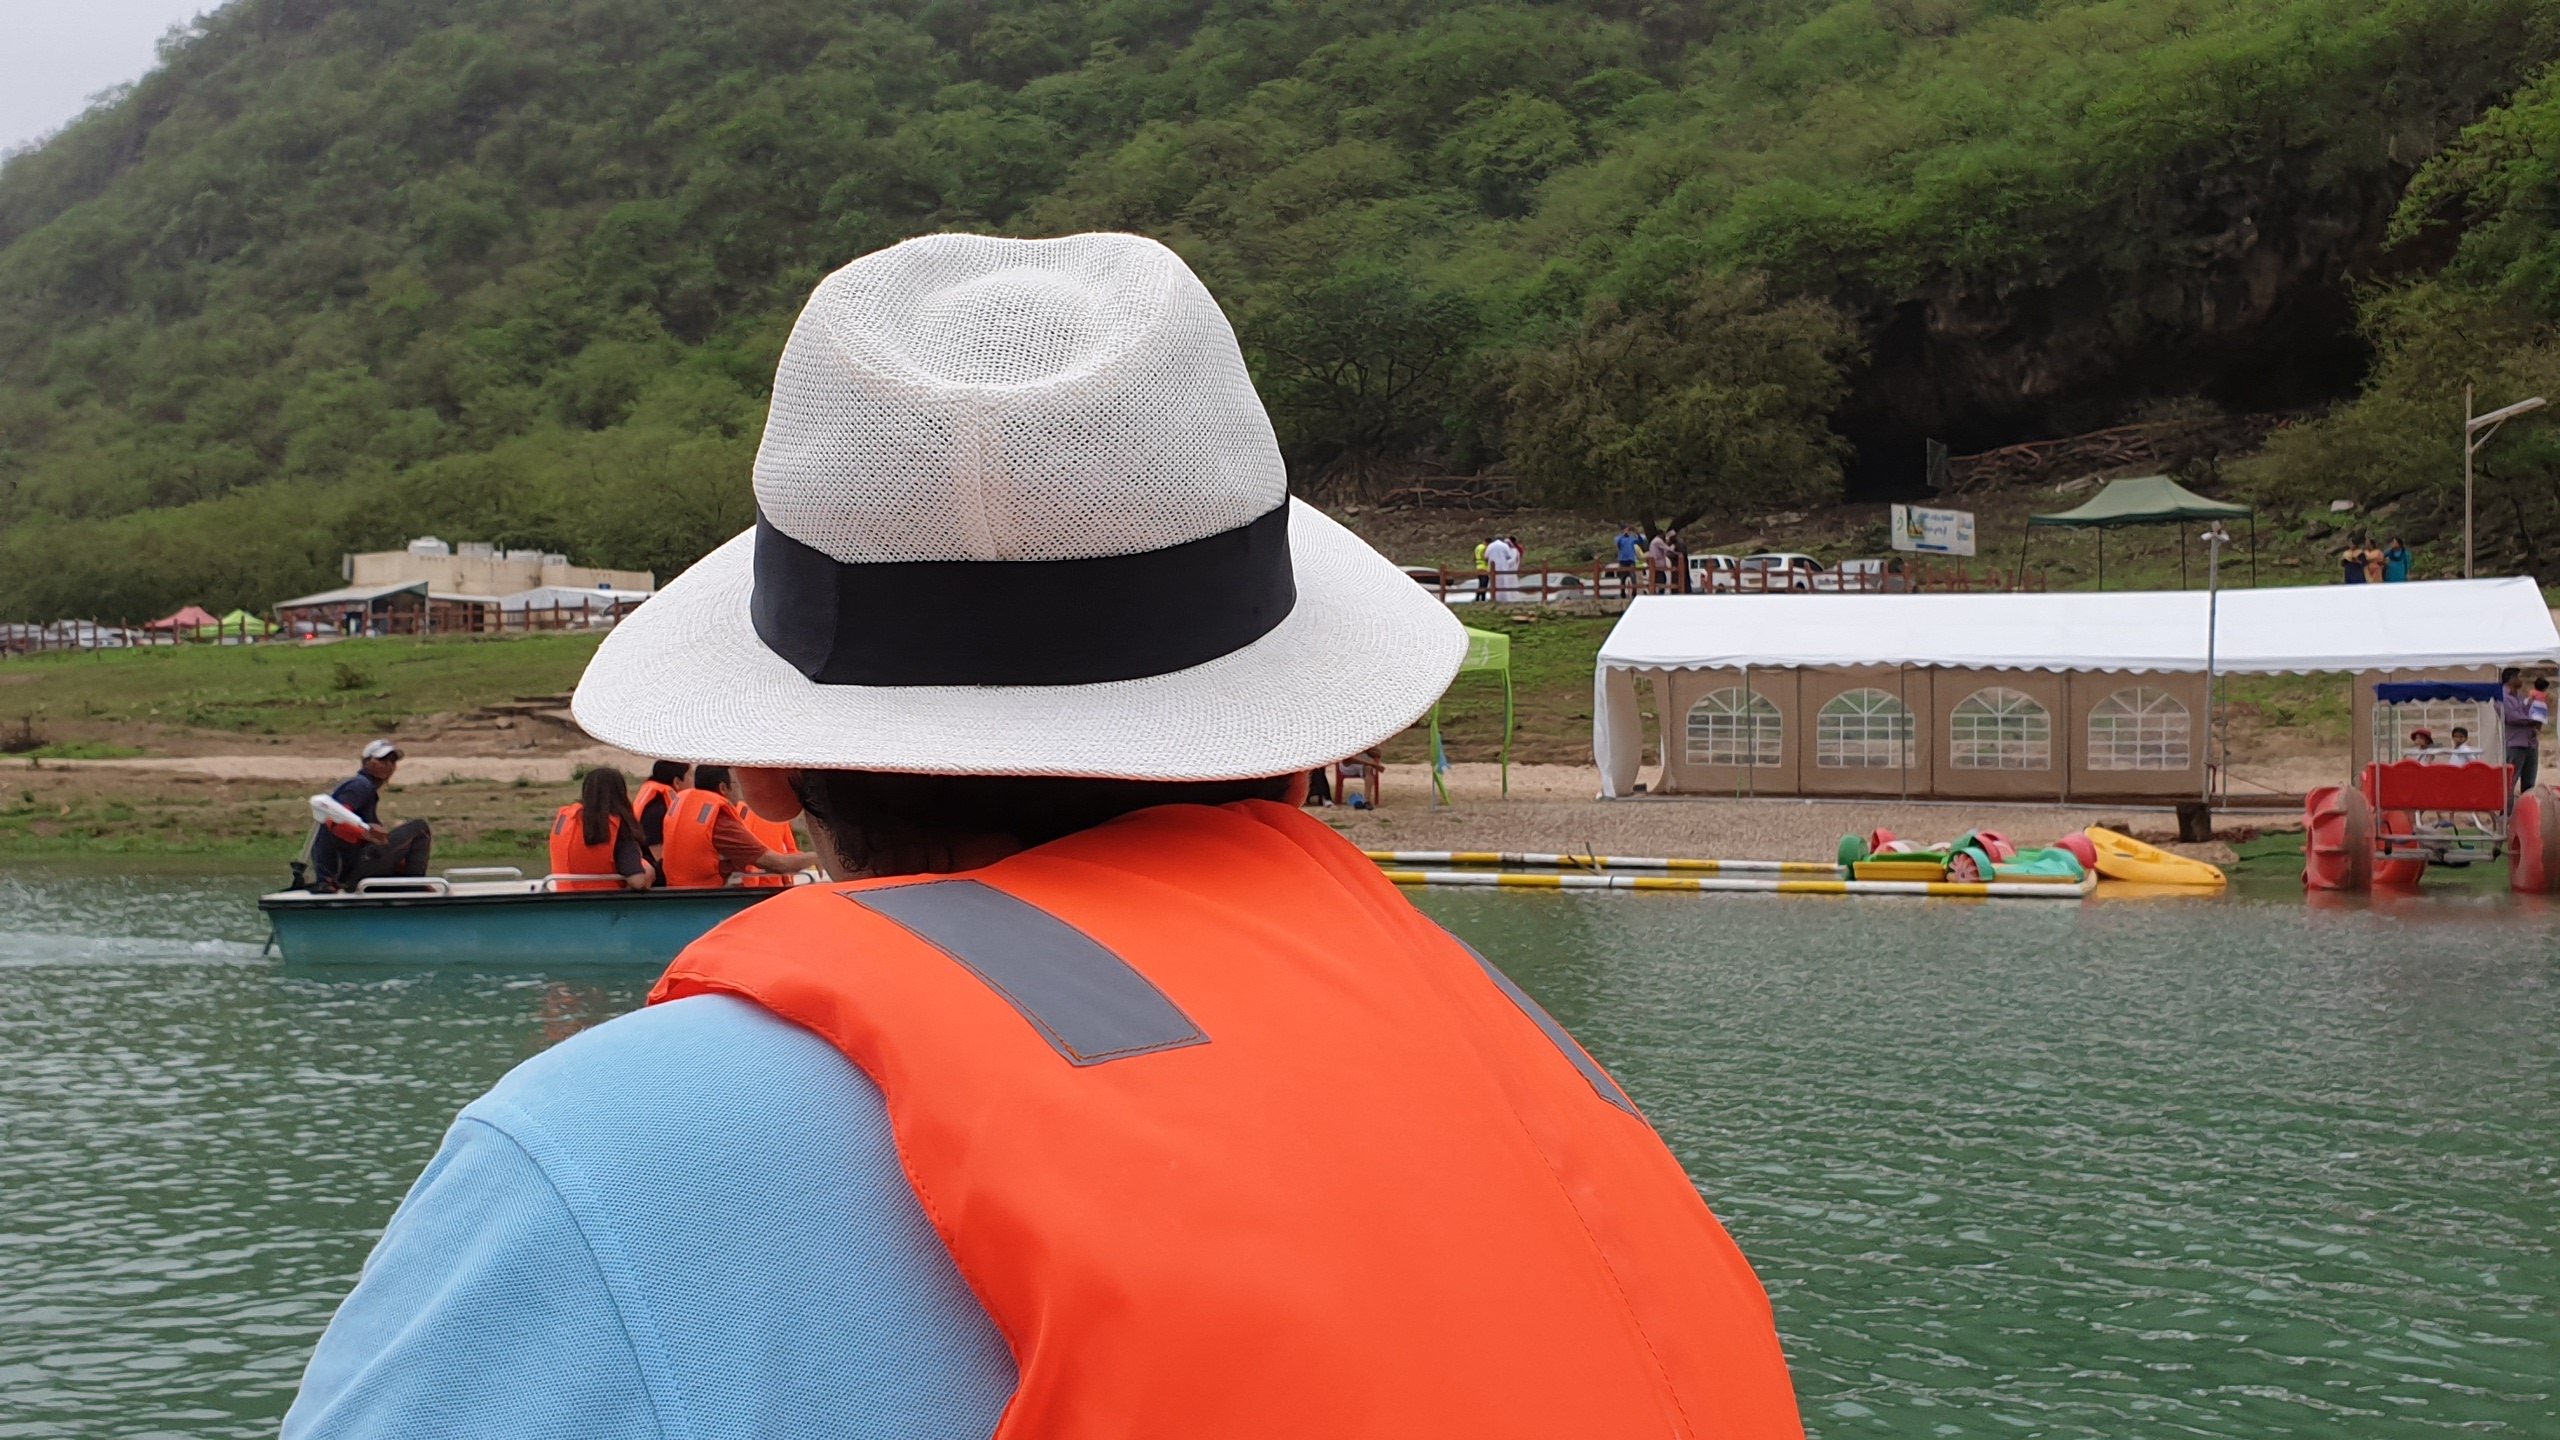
point(2424, 625)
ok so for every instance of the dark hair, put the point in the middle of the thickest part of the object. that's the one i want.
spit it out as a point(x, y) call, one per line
point(2461, 729)
point(710, 777)
point(604, 798)
point(2510, 673)
point(890, 824)
point(668, 772)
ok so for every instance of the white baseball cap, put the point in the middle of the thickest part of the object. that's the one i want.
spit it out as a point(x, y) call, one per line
point(380, 750)
point(1020, 512)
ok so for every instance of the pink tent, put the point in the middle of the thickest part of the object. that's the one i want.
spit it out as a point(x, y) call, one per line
point(186, 619)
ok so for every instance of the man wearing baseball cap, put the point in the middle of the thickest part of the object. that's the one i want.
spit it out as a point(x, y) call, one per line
point(1122, 1098)
point(402, 849)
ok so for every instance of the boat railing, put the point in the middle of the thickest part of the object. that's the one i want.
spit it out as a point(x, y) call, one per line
point(549, 883)
point(404, 885)
point(484, 872)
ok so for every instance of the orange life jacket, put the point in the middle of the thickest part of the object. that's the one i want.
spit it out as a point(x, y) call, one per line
point(1228, 1139)
point(652, 791)
point(688, 858)
point(572, 855)
point(777, 837)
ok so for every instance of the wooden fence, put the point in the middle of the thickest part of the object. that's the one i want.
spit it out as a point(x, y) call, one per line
point(314, 626)
point(1608, 583)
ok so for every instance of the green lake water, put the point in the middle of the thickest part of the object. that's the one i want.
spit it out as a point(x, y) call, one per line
point(2235, 1167)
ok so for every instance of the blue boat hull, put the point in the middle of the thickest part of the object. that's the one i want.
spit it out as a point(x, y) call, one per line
point(633, 928)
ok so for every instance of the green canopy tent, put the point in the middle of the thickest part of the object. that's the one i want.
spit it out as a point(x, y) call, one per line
point(2143, 500)
point(1488, 653)
point(238, 622)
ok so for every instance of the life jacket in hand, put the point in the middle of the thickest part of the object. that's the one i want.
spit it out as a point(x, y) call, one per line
point(777, 837)
point(652, 792)
point(572, 855)
point(332, 815)
point(1231, 1141)
point(689, 858)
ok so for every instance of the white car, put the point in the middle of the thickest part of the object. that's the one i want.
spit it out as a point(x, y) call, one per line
point(1784, 570)
point(1712, 574)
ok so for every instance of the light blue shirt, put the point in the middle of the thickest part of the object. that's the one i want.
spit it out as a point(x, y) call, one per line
point(689, 1222)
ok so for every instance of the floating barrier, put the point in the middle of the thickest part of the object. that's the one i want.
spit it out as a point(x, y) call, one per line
point(1539, 861)
point(1777, 885)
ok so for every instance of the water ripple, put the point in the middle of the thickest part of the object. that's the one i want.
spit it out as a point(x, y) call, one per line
point(2238, 1169)
point(2213, 1170)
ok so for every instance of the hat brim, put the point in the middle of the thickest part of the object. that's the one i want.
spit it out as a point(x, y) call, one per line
point(1364, 653)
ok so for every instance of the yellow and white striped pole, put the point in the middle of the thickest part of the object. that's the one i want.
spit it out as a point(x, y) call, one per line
point(1774, 885)
point(1540, 861)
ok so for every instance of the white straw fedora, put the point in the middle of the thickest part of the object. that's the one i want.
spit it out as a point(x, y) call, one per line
point(1020, 512)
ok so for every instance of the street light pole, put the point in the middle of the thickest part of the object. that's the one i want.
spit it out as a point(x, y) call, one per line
point(2476, 430)
point(2215, 537)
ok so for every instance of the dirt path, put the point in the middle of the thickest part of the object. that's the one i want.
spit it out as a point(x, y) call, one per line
point(329, 768)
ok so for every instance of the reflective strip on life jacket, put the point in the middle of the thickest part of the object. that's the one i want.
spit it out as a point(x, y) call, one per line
point(572, 855)
point(690, 858)
point(1084, 1000)
point(1230, 1140)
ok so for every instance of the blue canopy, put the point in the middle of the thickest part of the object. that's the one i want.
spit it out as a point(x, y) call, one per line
point(2416, 692)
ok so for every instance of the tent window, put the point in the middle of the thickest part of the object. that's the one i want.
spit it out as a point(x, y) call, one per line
point(2139, 729)
point(1733, 726)
point(2000, 729)
point(2392, 724)
point(1863, 730)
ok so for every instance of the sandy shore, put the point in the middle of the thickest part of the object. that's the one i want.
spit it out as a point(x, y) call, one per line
point(1551, 808)
point(254, 800)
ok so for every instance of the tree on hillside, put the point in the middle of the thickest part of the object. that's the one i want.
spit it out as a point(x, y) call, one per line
point(2489, 319)
point(1718, 402)
point(1358, 365)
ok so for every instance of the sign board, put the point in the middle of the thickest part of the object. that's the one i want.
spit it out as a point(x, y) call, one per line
point(1932, 532)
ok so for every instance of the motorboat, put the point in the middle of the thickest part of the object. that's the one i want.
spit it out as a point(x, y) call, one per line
point(497, 916)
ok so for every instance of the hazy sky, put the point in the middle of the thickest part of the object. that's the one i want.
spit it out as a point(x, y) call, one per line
point(55, 54)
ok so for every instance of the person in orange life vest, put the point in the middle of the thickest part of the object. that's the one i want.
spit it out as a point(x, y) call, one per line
point(708, 839)
point(778, 837)
point(667, 779)
point(598, 835)
point(1122, 1098)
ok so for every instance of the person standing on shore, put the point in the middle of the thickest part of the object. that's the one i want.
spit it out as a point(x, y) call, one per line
point(2395, 562)
point(2523, 731)
point(1127, 1099)
point(1630, 558)
point(401, 850)
point(1503, 554)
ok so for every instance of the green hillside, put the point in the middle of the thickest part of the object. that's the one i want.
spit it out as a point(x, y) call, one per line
point(340, 271)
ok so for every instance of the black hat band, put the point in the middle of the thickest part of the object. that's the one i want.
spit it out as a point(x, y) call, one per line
point(1022, 622)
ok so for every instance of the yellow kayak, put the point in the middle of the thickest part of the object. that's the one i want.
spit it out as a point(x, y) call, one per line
point(2121, 857)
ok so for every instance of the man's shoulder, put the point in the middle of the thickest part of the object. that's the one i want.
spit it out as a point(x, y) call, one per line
point(699, 1065)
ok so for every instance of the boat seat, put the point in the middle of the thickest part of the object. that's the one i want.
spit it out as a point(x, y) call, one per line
point(2415, 785)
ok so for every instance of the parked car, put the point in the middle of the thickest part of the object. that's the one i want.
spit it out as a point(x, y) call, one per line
point(1784, 570)
point(1711, 574)
point(1858, 575)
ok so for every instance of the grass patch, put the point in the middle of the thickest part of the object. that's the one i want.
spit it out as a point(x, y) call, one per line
point(349, 687)
point(1552, 655)
point(80, 750)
